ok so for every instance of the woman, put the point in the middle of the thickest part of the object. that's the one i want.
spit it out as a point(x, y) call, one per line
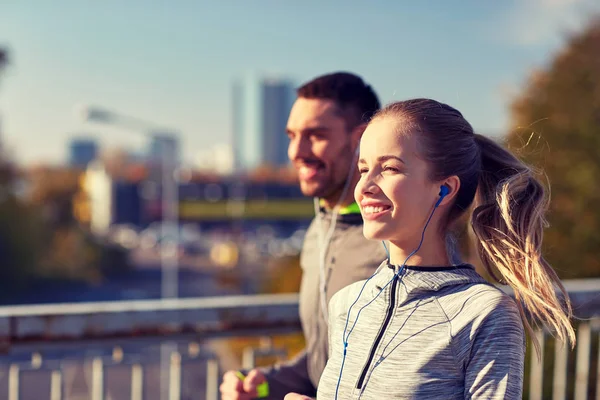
point(423, 328)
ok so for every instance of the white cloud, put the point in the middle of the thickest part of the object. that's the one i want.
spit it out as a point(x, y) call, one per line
point(541, 22)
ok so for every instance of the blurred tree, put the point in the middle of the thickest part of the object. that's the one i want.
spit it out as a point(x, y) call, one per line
point(20, 243)
point(556, 126)
point(39, 237)
point(3, 59)
point(52, 190)
point(18, 234)
point(70, 251)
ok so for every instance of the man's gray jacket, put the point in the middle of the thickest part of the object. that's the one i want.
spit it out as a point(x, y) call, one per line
point(350, 257)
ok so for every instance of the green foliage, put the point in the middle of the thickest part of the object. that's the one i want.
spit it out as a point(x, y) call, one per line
point(21, 243)
point(3, 58)
point(39, 238)
point(556, 124)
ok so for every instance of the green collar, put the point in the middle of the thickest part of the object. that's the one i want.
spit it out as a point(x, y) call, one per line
point(349, 209)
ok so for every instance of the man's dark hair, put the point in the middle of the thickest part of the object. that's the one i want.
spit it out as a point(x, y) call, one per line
point(356, 99)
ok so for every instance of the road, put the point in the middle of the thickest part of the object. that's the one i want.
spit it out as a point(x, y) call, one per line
point(196, 279)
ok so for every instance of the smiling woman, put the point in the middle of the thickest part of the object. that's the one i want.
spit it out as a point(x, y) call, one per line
point(434, 328)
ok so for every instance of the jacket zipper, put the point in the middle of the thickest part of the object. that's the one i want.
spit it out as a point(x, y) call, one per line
point(386, 322)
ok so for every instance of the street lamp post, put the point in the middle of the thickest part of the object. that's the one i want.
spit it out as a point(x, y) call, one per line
point(169, 196)
point(170, 212)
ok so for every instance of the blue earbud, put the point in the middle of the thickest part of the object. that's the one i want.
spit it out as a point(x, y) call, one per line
point(444, 190)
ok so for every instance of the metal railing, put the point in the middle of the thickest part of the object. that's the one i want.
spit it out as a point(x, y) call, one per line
point(31, 336)
point(96, 386)
point(556, 360)
point(207, 316)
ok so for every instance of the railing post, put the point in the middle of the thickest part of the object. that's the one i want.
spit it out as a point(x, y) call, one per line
point(56, 385)
point(583, 361)
point(537, 368)
point(97, 379)
point(559, 382)
point(248, 358)
point(13, 382)
point(175, 377)
point(598, 372)
point(212, 380)
point(137, 382)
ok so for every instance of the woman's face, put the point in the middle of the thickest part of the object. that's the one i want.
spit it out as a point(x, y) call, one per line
point(394, 193)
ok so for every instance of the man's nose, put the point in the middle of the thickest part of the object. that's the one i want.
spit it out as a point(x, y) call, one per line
point(299, 148)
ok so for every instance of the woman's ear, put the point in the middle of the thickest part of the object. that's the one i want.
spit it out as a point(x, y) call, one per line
point(452, 186)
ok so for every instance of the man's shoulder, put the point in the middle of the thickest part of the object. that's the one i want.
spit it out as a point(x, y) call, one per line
point(348, 244)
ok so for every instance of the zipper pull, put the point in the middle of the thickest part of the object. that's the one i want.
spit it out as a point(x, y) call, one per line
point(401, 271)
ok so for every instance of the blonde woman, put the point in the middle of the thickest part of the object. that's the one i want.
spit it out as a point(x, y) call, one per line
point(422, 327)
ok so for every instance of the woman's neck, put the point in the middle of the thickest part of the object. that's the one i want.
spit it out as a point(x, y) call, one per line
point(432, 253)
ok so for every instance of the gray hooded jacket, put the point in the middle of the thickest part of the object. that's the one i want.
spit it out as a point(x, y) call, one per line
point(350, 258)
point(432, 333)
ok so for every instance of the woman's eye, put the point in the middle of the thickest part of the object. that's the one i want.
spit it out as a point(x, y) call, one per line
point(363, 170)
point(391, 169)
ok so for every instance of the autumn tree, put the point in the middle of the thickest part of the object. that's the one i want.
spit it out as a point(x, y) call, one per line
point(18, 256)
point(39, 238)
point(556, 125)
point(3, 59)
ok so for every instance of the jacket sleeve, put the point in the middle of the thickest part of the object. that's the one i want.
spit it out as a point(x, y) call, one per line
point(495, 366)
point(291, 376)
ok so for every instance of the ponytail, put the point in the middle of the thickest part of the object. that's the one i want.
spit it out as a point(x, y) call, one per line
point(508, 221)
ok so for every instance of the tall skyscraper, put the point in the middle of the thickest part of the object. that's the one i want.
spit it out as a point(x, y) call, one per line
point(164, 144)
point(82, 151)
point(261, 108)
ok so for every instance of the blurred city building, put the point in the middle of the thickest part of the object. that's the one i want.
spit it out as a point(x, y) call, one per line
point(218, 159)
point(82, 151)
point(261, 107)
point(210, 201)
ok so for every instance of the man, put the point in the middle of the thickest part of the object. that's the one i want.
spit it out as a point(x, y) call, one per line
point(325, 126)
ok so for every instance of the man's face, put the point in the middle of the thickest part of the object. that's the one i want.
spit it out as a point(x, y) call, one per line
point(320, 147)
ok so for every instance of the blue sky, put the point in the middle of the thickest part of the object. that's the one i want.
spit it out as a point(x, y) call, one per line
point(173, 62)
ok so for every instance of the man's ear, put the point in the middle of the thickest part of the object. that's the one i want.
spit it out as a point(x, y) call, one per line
point(357, 133)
